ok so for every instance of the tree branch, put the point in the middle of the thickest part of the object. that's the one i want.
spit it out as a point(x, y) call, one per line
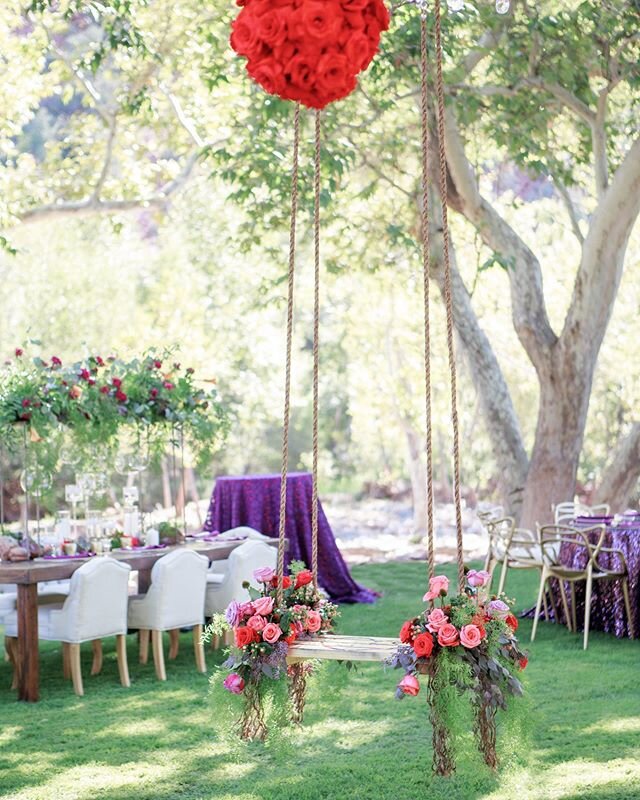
point(570, 208)
point(107, 160)
point(621, 475)
point(525, 276)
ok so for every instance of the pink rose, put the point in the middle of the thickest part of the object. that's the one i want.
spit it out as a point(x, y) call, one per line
point(448, 636)
point(256, 622)
point(438, 585)
point(271, 632)
point(263, 605)
point(234, 683)
point(470, 636)
point(263, 574)
point(477, 578)
point(313, 622)
point(247, 609)
point(409, 685)
point(297, 627)
point(436, 619)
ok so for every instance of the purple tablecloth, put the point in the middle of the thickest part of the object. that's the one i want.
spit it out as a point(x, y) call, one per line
point(254, 500)
point(607, 603)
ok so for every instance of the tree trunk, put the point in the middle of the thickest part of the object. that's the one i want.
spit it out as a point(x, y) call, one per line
point(621, 476)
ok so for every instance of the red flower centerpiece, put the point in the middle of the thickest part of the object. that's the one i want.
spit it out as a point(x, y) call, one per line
point(310, 51)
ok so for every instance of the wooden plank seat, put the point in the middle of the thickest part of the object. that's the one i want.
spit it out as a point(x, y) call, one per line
point(343, 648)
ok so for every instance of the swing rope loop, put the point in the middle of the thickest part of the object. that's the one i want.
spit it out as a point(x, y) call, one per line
point(316, 338)
point(425, 278)
point(287, 382)
point(448, 294)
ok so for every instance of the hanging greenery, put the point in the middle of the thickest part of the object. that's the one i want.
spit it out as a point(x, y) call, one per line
point(88, 404)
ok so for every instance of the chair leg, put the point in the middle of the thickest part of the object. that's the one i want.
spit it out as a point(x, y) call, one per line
point(627, 606)
point(123, 665)
point(96, 667)
point(544, 604)
point(554, 606)
point(503, 576)
point(76, 674)
point(158, 655)
point(174, 643)
point(143, 636)
point(574, 617)
point(543, 580)
point(587, 609)
point(66, 663)
point(199, 648)
point(565, 605)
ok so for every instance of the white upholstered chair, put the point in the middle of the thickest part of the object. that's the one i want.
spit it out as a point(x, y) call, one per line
point(241, 532)
point(175, 600)
point(95, 608)
point(222, 588)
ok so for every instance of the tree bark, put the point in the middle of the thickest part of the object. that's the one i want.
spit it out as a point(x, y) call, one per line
point(621, 476)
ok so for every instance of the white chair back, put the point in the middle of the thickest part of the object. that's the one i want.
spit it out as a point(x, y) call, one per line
point(97, 603)
point(242, 562)
point(176, 596)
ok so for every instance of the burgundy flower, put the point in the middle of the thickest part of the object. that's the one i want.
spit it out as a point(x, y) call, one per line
point(157, 363)
point(91, 382)
point(168, 385)
point(99, 361)
point(153, 393)
point(26, 402)
point(190, 370)
point(84, 374)
point(121, 397)
point(55, 361)
point(117, 382)
point(104, 389)
point(19, 351)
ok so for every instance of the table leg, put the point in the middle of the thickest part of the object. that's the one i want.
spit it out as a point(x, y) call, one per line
point(144, 580)
point(28, 663)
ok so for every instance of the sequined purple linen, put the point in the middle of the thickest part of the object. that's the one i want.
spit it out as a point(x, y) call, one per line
point(254, 500)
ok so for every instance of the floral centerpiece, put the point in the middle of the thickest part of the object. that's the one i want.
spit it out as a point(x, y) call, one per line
point(465, 642)
point(263, 629)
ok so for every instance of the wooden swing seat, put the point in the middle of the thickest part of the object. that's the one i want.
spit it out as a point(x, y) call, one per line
point(343, 648)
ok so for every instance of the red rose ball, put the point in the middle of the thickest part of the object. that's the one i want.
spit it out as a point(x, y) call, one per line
point(309, 51)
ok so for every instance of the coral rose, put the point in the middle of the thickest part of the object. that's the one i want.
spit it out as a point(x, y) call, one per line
point(245, 636)
point(470, 636)
point(313, 622)
point(438, 585)
point(256, 622)
point(423, 645)
point(406, 632)
point(263, 605)
point(409, 685)
point(512, 622)
point(234, 683)
point(448, 636)
point(436, 619)
point(271, 632)
point(286, 582)
point(303, 578)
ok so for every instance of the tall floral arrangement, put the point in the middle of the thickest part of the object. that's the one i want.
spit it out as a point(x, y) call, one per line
point(467, 642)
point(263, 629)
point(95, 399)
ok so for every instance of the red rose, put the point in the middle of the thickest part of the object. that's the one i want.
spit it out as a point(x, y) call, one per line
point(286, 582)
point(322, 21)
point(304, 577)
point(121, 397)
point(25, 417)
point(356, 20)
point(335, 79)
point(523, 662)
point(290, 639)
point(381, 13)
point(406, 632)
point(245, 636)
point(91, 382)
point(19, 351)
point(268, 73)
point(358, 51)
point(99, 361)
point(423, 645)
point(104, 389)
point(301, 71)
point(157, 364)
point(244, 36)
point(512, 622)
point(117, 382)
point(84, 374)
point(272, 28)
point(153, 393)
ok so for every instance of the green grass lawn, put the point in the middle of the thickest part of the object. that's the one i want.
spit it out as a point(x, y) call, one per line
point(575, 735)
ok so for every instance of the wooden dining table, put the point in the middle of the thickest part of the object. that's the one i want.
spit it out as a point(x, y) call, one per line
point(28, 574)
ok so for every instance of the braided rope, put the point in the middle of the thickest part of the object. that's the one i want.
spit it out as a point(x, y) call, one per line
point(447, 294)
point(425, 279)
point(287, 382)
point(316, 358)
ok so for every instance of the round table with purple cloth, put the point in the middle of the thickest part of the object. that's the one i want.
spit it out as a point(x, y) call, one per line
point(254, 500)
point(607, 602)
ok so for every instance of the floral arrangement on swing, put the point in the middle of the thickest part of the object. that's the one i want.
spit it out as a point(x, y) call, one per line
point(469, 641)
point(263, 629)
